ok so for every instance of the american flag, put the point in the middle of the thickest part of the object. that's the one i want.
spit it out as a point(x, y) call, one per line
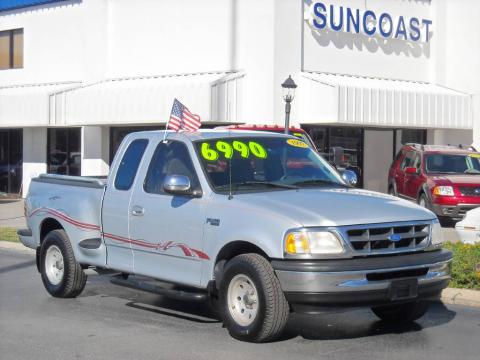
point(182, 119)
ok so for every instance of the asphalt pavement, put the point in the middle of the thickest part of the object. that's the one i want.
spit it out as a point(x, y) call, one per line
point(111, 322)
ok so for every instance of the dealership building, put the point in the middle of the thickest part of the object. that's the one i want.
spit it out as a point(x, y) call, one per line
point(76, 76)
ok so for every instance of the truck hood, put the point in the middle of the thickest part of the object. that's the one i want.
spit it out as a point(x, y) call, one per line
point(334, 207)
point(456, 179)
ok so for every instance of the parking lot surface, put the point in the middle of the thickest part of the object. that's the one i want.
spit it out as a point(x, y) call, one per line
point(110, 322)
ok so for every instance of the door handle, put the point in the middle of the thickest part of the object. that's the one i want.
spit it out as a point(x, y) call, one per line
point(138, 210)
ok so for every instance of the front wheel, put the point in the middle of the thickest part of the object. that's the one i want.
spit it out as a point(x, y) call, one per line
point(62, 275)
point(402, 313)
point(254, 307)
point(423, 201)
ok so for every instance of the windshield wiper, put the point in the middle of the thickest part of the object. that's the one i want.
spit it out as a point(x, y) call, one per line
point(266, 183)
point(472, 171)
point(318, 182)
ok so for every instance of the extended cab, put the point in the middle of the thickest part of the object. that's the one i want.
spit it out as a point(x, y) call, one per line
point(228, 216)
point(444, 179)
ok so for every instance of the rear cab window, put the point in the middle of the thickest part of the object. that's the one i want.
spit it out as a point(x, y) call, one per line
point(129, 164)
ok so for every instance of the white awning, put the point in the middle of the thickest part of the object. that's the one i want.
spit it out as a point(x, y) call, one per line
point(27, 105)
point(350, 100)
point(138, 100)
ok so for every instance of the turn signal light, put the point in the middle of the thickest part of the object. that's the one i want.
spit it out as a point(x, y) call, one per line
point(443, 191)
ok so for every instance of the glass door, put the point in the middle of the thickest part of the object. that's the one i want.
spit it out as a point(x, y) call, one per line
point(11, 161)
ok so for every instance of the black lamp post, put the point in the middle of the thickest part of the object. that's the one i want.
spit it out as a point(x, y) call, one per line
point(288, 87)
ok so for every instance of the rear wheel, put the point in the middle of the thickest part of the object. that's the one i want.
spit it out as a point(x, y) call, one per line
point(254, 307)
point(391, 191)
point(402, 313)
point(62, 275)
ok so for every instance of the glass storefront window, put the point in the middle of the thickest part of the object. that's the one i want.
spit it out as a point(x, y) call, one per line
point(349, 139)
point(118, 133)
point(417, 136)
point(11, 160)
point(64, 151)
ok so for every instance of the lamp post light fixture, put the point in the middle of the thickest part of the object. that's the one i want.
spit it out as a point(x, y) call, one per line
point(288, 87)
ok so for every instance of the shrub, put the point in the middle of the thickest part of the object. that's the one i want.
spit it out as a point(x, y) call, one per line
point(465, 265)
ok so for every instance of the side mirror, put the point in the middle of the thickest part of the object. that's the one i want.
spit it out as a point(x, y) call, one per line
point(178, 185)
point(350, 177)
point(411, 170)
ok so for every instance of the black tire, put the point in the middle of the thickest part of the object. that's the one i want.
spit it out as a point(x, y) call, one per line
point(273, 309)
point(74, 279)
point(391, 191)
point(422, 199)
point(402, 313)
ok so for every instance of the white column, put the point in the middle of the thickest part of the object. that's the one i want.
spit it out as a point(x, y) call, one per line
point(94, 155)
point(34, 155)
point(476, 121)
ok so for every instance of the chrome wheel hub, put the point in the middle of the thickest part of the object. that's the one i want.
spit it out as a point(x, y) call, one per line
point(54, 265)
point(242, 298)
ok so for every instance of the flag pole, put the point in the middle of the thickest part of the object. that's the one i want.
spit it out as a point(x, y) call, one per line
point(165, 133)
point(166, 125)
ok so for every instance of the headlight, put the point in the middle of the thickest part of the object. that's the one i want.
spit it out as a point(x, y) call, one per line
point(436, 235)
point(443, 191)
point(303, 242)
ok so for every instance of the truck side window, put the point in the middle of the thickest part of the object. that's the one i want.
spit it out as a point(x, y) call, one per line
point(129, 165)
point(417, 162)
point(171, 158)
point(408, 160)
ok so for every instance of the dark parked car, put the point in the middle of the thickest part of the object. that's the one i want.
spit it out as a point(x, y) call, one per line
point(444, 179)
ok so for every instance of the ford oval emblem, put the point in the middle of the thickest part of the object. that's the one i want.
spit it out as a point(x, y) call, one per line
point(395, 237)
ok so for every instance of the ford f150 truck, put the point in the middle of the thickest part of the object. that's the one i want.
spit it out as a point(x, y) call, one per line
point(229, 216)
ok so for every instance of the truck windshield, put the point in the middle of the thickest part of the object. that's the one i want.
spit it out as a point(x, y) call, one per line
point(303, 137)
point(246, 164)
point(453, 164)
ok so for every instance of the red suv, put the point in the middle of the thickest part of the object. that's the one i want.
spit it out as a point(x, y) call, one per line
point(444, 179)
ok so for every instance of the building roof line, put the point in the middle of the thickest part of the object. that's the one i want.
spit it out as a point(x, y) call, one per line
point(146, 77)
point(365, 77)
point(40, 84)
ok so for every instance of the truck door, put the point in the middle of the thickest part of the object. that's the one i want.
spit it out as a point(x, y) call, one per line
point(116, 205)
point(400, 174)
point(413, 181)
point(166, 230)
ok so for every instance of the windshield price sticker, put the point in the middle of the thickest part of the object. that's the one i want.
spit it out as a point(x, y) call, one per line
point(246, 150)
point(297, 143)
point(476, 156)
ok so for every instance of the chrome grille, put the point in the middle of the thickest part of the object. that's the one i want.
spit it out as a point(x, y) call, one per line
point(469, 190)
point(387, 238)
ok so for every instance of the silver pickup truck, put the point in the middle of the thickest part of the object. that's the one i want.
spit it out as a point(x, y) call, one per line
point(258, 223)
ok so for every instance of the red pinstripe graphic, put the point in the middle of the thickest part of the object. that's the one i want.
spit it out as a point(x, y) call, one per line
point(65, 217)
point(187, 251)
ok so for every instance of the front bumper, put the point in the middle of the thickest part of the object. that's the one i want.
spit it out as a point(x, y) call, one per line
point(312, 285)
point(26, 238)
point(456, 212)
